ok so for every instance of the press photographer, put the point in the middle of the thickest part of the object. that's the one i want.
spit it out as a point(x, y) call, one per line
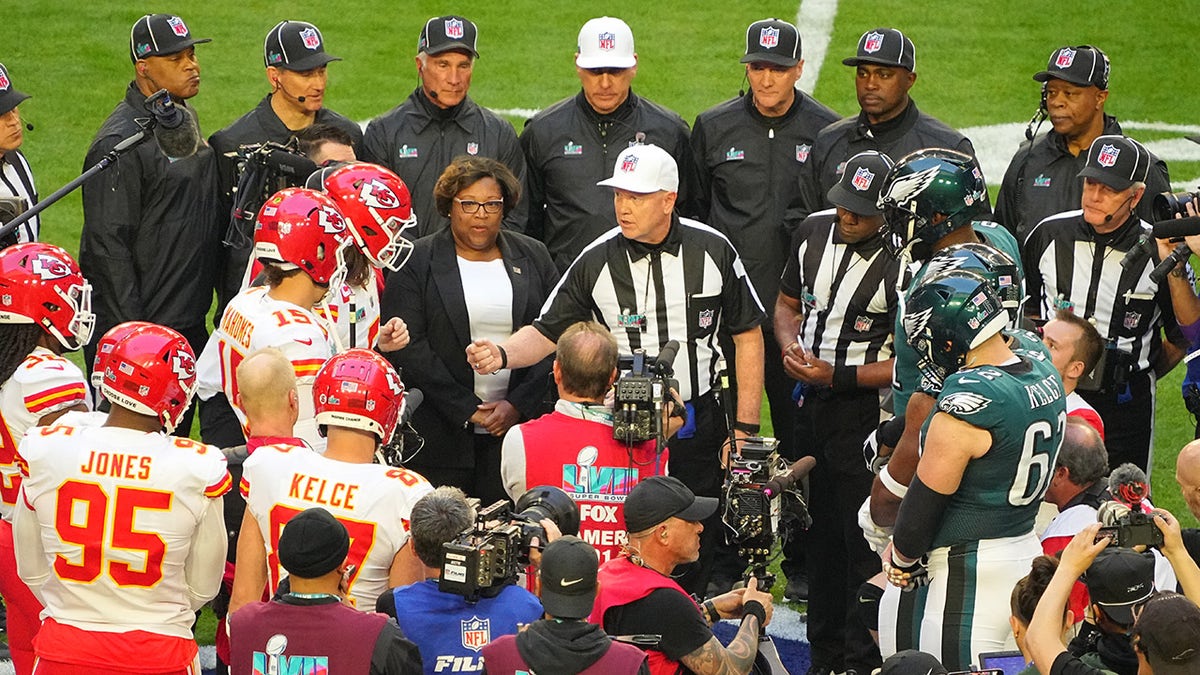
point(576, 445)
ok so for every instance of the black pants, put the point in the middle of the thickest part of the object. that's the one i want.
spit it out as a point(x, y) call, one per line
point(696, 462)
point(482, 481)
point(837, 424)
point(1128, 420)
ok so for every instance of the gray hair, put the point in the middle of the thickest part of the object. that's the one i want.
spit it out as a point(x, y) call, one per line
point(437, 518)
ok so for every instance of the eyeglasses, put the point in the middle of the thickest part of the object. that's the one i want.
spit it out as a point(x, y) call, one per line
point(471, 207)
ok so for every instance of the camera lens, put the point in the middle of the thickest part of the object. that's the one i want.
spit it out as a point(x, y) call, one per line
point(547, 501)
point(1169, 204)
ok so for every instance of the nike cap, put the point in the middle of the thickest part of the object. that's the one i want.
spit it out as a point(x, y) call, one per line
point(658, 498)
point(568, 575)
point(912, 662)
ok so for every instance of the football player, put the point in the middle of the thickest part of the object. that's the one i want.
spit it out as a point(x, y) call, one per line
point(299, 236)
point(358, 399)
point(964, 534)
point(119, 531)
point(45, 310)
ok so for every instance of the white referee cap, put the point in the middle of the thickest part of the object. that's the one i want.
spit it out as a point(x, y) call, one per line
point(644, 169)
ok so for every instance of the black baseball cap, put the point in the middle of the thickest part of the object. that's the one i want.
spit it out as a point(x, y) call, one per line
point(912, 662)
point(658, 498)
point(296, 45)
point(1117, 161)
point(9, 96)
point(1084, 65)
point(858, 189)
point(568, 575)
point(1118, 579)
point(885, 47)
point(774, 41)
point(313, 544)
point(160, 35)
point(1168, 630)
point(444, 33)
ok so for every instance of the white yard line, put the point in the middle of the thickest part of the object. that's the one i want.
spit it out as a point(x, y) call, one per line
point(814, 18)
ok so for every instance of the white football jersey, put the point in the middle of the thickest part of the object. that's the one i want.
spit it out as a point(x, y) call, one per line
point(254, 320)
point(43, 384)
point(373, 501)
point(118, 511)
point(366, 315)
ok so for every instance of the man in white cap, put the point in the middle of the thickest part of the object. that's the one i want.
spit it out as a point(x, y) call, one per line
point(654, 278)
point(571, 145)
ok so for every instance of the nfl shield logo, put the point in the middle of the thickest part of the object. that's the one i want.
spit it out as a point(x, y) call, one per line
point(310, 37)
point(608, 41)
point(178, 26)
point(862, 178)
point(476, 633)
point(1132, 319)
point(6, 300)
point(706, 318)
point(802, 152)
point(769, 37)
point(472, 148)
point(1108, 155)
point(454, 28)
point(3, 80)
point(863, 323)
point(873, 42)
point(1065, 58)
point(629, 164)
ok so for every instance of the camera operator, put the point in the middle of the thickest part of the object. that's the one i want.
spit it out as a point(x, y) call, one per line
point(575, 444)
point(638, 595)
point(16, 178)
point(1182, 284)
point(449, 630)
point(655, 278)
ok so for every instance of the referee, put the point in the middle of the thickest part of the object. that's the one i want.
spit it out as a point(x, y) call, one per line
point(835, 310)
point(16, 179)
point(654, 278)
point(1095, 262)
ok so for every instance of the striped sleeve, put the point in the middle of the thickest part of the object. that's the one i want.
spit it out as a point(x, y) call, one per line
point(220, 487)
point(56, 398)
point(307, 367)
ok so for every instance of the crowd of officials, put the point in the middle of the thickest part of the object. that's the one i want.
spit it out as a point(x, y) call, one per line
point(852, 269)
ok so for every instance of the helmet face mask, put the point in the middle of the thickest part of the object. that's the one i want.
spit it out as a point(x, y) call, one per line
point(946, 316)
point(41, 284)
point(378, 210)
point(927, 195)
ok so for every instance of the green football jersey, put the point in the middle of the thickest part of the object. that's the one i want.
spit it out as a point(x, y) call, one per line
point(1023, 407)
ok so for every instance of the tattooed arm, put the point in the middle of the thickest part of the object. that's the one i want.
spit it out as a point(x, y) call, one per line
point(738, 657)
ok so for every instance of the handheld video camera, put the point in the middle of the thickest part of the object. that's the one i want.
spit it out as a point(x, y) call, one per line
point(493, 552)
point(760, 502)
point(262, 170)
point(642, 391)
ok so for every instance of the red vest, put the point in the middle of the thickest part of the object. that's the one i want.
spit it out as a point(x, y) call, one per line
point(582, 458)
point(622, 582)
point(334, 636)
point(502, 658)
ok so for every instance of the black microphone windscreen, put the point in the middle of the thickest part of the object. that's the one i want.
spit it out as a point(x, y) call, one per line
point(182, 139)
point(1177, 227)
point(413, 398)
point(666, 357)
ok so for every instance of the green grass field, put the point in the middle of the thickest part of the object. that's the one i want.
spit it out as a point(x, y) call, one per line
point(974, 62)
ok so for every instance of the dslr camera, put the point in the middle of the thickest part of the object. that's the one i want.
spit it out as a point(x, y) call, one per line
point(1134, 528)
point(493, 552)
point(641, 392)
point(1169, 205)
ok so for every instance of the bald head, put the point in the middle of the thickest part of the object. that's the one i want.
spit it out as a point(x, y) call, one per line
point(1082, 460)
point(1187, 474)
point(266, 383)
point(585, 361)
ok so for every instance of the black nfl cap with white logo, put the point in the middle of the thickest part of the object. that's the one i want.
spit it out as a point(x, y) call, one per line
point(445, 33)
point(658, 498)
point(568, 575)
point(1116, 161)
point(296, 45)
point(857, 190)
point(1085, 66)
point(885, 47)
point(774, 41)
point(9, 96)
point(160, 35)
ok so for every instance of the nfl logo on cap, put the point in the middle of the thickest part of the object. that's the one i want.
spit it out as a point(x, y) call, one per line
point(1065, 58)
point(4, 83)
point(178, 26)
point(862, 178)
point(454, 28)
point(629, 163)
point(873, 43)
point(310, 37)
point(608, 41)
point(768, 37)
point(1108, 155)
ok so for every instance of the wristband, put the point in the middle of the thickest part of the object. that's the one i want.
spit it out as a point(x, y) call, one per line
point(893, 486)
point(755, 608)
point(845, 379)
point(503, 358)
point(710, 612)
point(746, 427)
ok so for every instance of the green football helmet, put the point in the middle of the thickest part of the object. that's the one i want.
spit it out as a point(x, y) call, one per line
point(949, 314)
point(927, 195)
point(990, 263)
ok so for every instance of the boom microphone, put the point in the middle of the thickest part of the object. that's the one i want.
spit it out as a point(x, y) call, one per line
point(1177, 228)
point(784, 481)
point(176, 131)
point(1128, 484)
point(413, 398)
point(664, 362)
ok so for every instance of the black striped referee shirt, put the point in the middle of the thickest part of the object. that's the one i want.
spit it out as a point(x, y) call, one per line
point(1069, 266)
point(847, 291)
point(16, 180)
point(687, 288)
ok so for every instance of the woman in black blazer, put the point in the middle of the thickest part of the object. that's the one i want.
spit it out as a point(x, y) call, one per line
point(470, 280)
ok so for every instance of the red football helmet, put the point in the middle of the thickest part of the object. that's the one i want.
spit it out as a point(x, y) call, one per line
point(105, 345)
point(378, 209)
point(42, 284)
point(151, 370)
point(359, 389)
point(302, 229)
